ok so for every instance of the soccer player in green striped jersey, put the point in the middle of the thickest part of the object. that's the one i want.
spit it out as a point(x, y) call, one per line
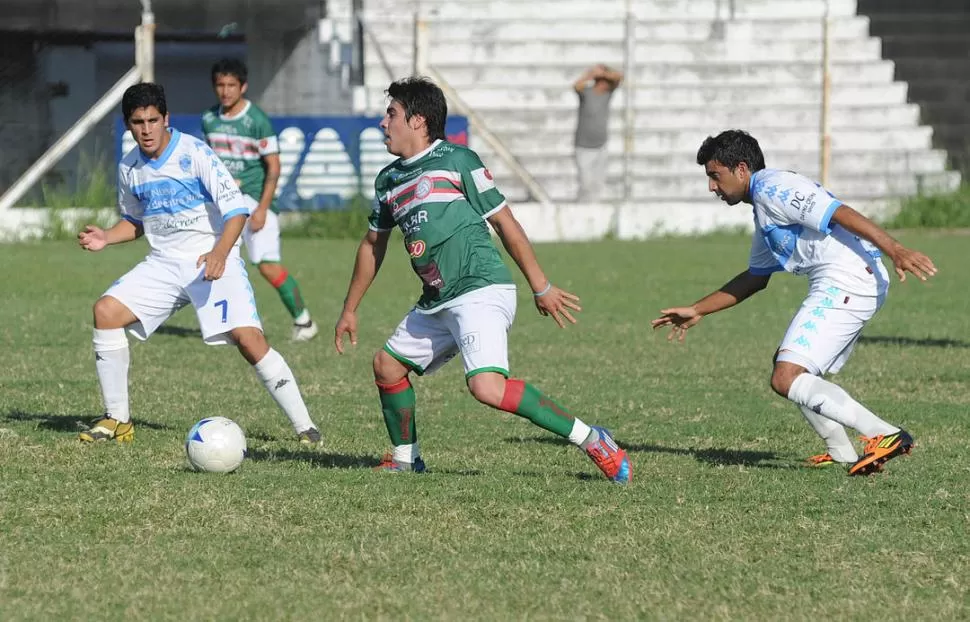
point(243, 137)
point(440, 195)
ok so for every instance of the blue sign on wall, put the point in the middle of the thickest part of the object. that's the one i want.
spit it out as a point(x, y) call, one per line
point(324, 161)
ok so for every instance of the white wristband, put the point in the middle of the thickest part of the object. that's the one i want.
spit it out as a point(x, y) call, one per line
point(544, 291)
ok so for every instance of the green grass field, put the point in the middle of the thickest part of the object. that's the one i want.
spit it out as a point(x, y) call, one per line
point(722, 521)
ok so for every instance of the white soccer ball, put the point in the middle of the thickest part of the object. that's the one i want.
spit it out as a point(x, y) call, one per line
point(215, 445)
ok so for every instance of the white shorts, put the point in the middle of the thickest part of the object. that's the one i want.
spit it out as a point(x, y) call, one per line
point(156, 288)
point(825, 329)
point(264, 245)
point(477, 327)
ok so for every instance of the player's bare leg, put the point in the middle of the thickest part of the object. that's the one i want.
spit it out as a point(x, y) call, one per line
point(275, 374)
point(398, 408)
point(111, 360)
point(523, 399)
point(304, 328)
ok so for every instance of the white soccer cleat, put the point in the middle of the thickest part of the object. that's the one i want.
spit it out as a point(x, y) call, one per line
point(305, 332)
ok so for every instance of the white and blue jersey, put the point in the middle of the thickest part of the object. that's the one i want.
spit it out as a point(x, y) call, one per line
point(793, 231)
point(181, 199)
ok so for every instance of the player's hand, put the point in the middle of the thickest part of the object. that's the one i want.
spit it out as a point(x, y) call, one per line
point(346, 323)
point(679, 319)
point(907, 260)
point(257, 220)
point(92, 238)
point(215, 264)
point(557, 303)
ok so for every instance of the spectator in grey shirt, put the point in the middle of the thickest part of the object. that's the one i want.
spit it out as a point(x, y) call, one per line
point(595, 88)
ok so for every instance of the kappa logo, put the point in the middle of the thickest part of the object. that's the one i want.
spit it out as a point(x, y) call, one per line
point(417, 248)
point(424, 188)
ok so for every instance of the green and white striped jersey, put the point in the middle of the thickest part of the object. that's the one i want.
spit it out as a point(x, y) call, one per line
point(241, 142)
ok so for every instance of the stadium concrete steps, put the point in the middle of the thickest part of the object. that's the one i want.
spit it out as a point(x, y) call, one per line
point(701, 67)
point(930, 44)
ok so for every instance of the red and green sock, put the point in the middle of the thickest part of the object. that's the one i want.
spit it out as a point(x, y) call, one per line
point(523, 399)
point(397, 405)
point(289, 292)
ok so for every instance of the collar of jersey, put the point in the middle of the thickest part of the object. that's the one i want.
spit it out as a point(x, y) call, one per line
point(751, 183)
point(238, 115)
point(162, 159)
point(417, 157)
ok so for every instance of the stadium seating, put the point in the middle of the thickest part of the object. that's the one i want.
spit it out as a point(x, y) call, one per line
point(701, 66)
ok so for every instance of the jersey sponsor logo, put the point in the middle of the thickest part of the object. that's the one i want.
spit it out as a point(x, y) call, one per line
point(804, 205)
point(483, 179)
point(413, 223)
point(417, 248)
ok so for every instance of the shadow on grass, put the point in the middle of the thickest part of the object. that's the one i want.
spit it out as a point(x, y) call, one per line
point(66, 423)
point(718, 456)
point(178, 331)
point(909, 341)
point(314, 457)
point(714, 456)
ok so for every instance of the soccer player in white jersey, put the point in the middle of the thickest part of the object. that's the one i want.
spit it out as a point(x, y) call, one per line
point(440, 195)
point(175, 191)
point(803, 229)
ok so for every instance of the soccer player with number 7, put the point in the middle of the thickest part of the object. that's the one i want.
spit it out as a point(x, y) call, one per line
point(174, 190)
point(441, 195)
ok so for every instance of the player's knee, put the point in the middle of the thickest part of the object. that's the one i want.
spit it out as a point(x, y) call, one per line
point(251, 342)
point(387, 369)
point(782, 378)
point(487, 388)
point(109, 313)
point(271, 271)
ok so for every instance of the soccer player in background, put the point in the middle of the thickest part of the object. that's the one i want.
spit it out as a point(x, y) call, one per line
point(175, 191)
point(803, 229)
point(441, 195)
point(242, 135)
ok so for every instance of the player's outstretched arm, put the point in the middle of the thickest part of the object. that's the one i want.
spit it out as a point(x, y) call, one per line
point(370, 256)
point(680, 319)
point(95, 238)
point(904, 259)
point(549, 299)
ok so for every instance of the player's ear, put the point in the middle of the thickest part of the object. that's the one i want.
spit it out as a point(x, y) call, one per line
point(417, 121)
point(165, 119)
point(244, 88)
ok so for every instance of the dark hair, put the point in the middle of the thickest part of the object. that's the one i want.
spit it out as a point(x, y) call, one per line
point(421, 96)
point(230, 67)
point(143, 95)
point(731, 148)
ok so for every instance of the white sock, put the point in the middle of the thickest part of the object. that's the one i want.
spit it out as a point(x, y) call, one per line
point(579, 433)
point(406, 453)
point(831, 401)
point(279, 381)
point(836, 440)
point(303, 318)
point(111, 358)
